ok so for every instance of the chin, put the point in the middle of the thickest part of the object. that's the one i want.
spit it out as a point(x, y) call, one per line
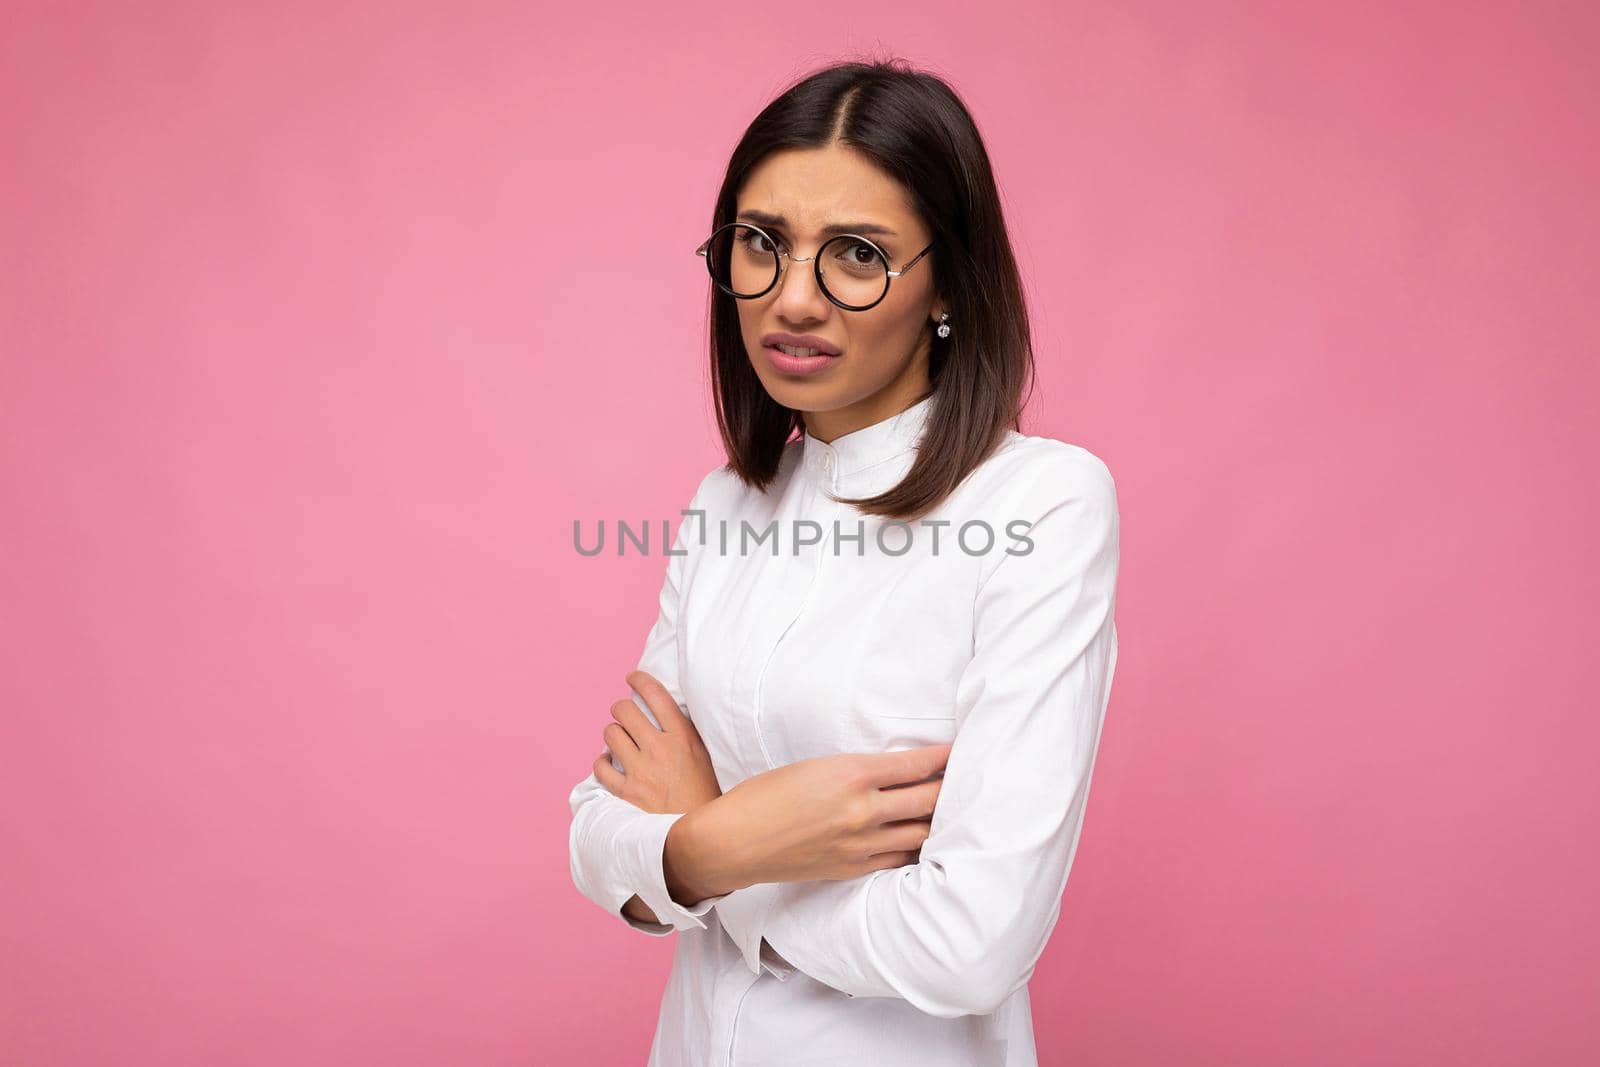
point(798, 397)
point(780, 385)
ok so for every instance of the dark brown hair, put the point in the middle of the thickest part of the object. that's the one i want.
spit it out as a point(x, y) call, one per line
point(915, 127)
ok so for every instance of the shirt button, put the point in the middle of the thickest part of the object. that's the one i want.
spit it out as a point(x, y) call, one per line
point(827, 462)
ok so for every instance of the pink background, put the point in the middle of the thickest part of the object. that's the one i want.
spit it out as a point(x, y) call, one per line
point(320, 324)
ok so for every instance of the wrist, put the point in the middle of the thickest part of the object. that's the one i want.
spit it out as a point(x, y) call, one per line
point(694, 862)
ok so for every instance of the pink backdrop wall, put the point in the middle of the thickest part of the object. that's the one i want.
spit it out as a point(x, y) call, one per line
point(321, 323)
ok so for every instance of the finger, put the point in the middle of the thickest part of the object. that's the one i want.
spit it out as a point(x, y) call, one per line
point(608, 775)
point(660, 700)
point(909, 802)
point(618, 741)
point(902, 836)
point(631, 719)
point(885, 860)
point(908, 765)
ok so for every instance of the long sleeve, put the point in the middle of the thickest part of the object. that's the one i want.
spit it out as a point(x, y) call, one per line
point(959, 931)
point(615, 848)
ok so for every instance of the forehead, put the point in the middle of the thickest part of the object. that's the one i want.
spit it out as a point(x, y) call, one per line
point(813, 187)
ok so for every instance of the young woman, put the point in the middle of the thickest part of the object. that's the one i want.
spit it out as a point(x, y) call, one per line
point(910, 586)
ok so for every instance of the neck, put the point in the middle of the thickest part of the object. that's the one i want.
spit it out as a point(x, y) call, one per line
point(827, 426)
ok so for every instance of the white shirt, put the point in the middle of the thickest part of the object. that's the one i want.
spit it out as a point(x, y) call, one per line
point(851, 644)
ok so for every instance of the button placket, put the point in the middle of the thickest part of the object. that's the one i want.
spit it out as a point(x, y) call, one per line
point(826, 464)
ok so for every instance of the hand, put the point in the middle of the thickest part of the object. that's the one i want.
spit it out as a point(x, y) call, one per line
point(665, 770)
point(830, 817)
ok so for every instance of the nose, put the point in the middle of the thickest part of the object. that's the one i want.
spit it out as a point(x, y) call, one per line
point(800, 298)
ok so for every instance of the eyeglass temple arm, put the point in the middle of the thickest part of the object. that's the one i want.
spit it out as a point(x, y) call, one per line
point(908, 266)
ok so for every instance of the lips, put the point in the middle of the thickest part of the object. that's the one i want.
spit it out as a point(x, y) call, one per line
point(787, 364)
point(822, 346)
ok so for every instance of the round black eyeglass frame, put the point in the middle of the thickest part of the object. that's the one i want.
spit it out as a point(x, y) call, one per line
point(816, 265)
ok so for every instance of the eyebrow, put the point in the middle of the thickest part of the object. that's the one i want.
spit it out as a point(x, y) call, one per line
point(865, 229)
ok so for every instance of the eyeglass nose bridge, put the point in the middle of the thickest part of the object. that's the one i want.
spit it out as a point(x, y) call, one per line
point(785, 258)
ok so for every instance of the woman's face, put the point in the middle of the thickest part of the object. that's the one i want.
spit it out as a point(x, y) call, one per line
point(882, 362)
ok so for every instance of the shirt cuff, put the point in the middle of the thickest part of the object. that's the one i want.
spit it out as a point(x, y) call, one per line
point(641, 847)
point(743, 915)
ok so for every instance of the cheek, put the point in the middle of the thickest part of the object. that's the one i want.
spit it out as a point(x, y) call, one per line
point(890, 338)
point(750, 328)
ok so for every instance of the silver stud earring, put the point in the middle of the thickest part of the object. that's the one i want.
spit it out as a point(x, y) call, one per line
point(944, 326)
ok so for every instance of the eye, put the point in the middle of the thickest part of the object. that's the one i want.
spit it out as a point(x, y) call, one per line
point(858, 256)
point(752, 241)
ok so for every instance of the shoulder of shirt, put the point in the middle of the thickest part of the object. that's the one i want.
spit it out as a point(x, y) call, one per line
point(1040, 473)
point(719, 487)
point(1029, 478)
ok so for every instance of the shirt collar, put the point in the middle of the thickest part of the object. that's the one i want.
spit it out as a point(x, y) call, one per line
point(872, 444)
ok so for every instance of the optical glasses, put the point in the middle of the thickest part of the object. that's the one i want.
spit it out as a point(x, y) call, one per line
point(745, 262)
